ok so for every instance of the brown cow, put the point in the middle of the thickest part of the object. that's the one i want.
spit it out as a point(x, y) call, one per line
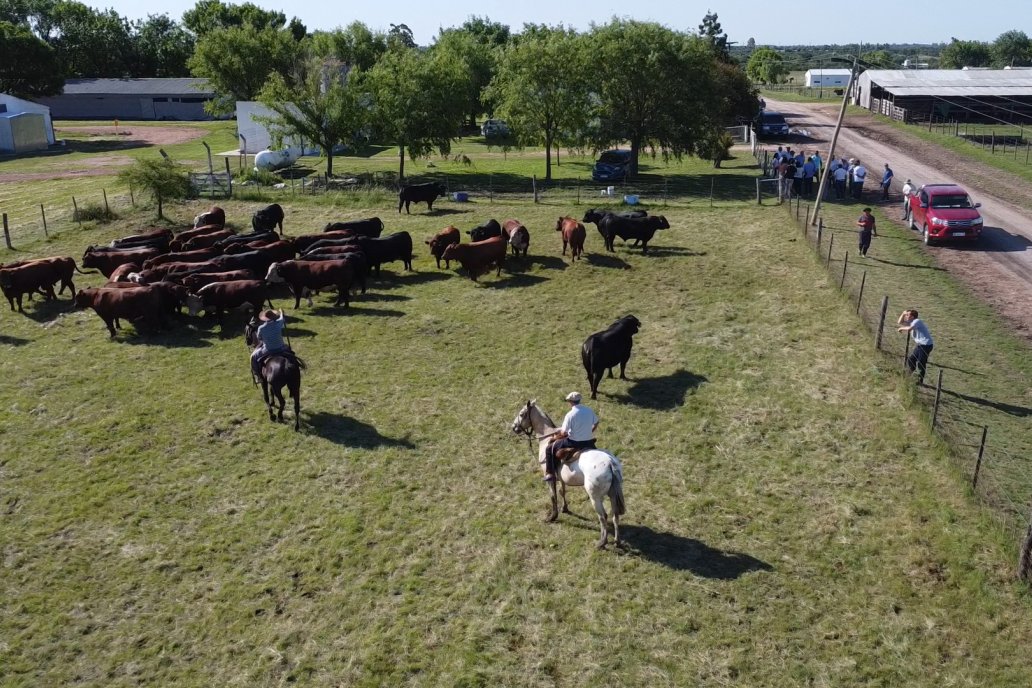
point(302, 242)
point(206, 240)
point(107, 261)
point(442, 240)
point(185, 236)
point(315, 274)
point(220, 296)
point(121, 273)
point(155, 238)
point(518, 236)
point(28, 278)
point(64, 269)
point(213, 216)
point(478, 257)
point(277, 250)
point(133, 305)
point(171, 271)
point(195, 281)
point(198, 256)
point(172, 296)
point(573, 235)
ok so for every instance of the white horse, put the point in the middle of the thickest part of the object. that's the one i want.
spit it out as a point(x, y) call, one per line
point(598, 471)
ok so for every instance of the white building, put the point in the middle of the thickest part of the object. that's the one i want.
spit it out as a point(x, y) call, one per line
point(254, 135)
point(24, 125)
point(826, 77)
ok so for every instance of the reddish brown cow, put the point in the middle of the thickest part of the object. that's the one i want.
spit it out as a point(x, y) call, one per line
point(28, 278)
point(573, 235)
point(277, 250)
point(172, 295)
point(185, 236)
point(315, 274)
point(142, 304)
point(518, 236)
point(213, 216)
point(173, 271)
point(478, 257)
point(220, 296)
point(304, 241)
point(195, 281)
point(442, 240)
point(206, 240)
point(107, 261)
point(121, 273)
point(198, 256)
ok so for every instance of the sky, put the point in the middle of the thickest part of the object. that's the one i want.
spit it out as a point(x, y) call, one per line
point(770, 22)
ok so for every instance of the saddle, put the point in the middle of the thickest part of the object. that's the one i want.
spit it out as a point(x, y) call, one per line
point(568, 454)
point(287, 353)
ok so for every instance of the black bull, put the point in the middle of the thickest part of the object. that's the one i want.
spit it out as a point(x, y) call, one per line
point(608, 348)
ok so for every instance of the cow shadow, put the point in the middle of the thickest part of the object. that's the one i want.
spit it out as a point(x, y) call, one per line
point(603, 260)
point(440, 212)
point(347, 431)
point(370, 297)
point(688, 554)
point(672, 251)
point(176, 338)
point(514, 280)
point(519, 265)
point(407, 279)
point(355, 309)
point(662, 393)
point(12, 341)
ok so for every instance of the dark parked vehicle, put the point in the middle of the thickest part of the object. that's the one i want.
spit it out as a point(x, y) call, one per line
point(771, 124)
point(611, 166)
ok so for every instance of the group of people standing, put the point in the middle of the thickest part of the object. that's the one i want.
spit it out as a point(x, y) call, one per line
point(796, 173)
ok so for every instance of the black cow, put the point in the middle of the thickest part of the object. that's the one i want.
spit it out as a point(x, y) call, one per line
point(397, 246)
point(640, 228)
point(605, 349)
point(485, 231)
point(370, 227)
point(268, 218)
point(421, 193)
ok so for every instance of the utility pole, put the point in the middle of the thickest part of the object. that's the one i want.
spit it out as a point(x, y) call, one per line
point(834, 138)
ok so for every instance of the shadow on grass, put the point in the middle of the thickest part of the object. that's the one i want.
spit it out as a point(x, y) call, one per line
point(520, 264)
point(604, 260)
point(514, 279)
point(370, 297)
point(668, 251)
point(355, 309)
point(687, 554)
point(177, 338)
point(1011, 409)
point(13, 341)
point(97, 145)
point(448, 211)
point(907, 265)
point(662, 393)
point(405, 279)
point(347, 431)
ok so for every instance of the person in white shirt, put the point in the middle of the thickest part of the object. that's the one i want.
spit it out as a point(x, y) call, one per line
point(859, 175)
point(908, 191)
point(577, 431)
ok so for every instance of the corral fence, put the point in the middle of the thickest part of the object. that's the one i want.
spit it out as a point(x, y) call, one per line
point(999, 478)
point(999, 139)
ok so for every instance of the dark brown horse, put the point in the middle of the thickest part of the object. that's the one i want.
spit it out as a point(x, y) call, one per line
point(278, 371)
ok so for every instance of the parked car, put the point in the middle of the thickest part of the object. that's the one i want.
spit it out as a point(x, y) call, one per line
point(771, 124)
point(611, 166)
point(945, 212)
point(494, 128)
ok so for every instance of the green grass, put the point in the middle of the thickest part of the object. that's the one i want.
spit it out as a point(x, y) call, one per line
point(791, 520)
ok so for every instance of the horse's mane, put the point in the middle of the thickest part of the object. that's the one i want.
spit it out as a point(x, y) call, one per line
point(548, 419)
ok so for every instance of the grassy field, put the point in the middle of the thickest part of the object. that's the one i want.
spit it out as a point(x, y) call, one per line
point(791, 520)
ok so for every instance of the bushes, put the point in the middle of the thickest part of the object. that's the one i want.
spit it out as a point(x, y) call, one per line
point(94, 212)
point(163, 178)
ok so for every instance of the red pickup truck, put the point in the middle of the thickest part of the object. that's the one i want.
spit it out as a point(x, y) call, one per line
point(945, 212)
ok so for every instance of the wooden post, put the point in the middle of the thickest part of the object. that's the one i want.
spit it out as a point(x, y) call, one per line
point(978, 463)
point(831, 245)
point(229, 179)
point(820, 233)
point(759, 201)
point(863, 280)
point(1025, 560)
point(906, 349)
point(533, 183)
point(7, 233)
point(43, 214)
point(712, 181)
point(845, 264)
point(938, 396)
point(1026, 151)
point(75, 208)
point(993, 143)
point(107, 210)
point(132, 198)
point(881, 322)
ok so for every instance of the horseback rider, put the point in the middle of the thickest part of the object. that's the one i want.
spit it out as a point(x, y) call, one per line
point(577, 432)
point(270, 338)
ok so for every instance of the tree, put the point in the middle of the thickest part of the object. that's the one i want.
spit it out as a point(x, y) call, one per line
point(1012, 49)
point(239, 61)
point(90, 43)
point(324, 109)
point(486, 31)
point(163, 47)
point(480, 62)
point(162, 178)
point(400, 37)
point(960, 54)
point(766, 66)
point(715, 145)
point(880, 59)
point(541, 91)
point(711, 32)
point(28, 66)
point(736, 95)
point(750, 44)
point(653, 87)
point(355, 45)
point(413, 102)
point(212, 15)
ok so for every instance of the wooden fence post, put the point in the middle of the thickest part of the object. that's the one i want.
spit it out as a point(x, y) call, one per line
point(863, 280)
point(43, 214)
point(1025, 560)
point(845, 264)
point(831, 246)
point(938, 396)
point(993, 143)
point(978, 463)
point(132, 198)
point(75, 208)
point(759, 200)
point(712, 181)
point(881, 322)
point(7, 233)
point(533, 184)
point(906, 349)
point(107, 209)
point(820, 233)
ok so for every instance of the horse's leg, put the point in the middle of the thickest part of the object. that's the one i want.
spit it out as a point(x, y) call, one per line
point(278, 392)
point(562, 490)
point(600, 509)
point(553, 514)
point(295, 391)
point(265, 393)
point(623, 366)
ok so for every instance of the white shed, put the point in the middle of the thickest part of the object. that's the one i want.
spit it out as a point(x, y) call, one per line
point(24, 125)
point(256, 133)
point(827, 77)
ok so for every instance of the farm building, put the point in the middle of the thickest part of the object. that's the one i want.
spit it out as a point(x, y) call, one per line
point(963, 95)
point(146, 99)
point(255, 135)
point(24, 125)
point(827, 77)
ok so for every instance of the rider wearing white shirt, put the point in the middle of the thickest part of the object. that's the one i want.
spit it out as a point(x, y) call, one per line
point(577, 431)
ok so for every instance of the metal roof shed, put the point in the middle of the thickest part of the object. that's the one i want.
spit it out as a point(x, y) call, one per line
point(965, 95)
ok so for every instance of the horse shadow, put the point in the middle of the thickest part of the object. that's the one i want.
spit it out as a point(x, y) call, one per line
point(662, 393)
point(13, 341)
point(603, 260)
point(687, 554)
point(348, 431)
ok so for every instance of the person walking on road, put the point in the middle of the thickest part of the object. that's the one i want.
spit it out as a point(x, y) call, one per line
point(908, 191)
point(886, 182)
point(917, 361)
point(867, 230)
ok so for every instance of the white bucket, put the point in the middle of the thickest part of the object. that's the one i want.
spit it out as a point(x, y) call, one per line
point(610, 190)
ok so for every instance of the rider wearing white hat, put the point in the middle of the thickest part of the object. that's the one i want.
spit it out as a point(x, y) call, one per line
point(577, 431)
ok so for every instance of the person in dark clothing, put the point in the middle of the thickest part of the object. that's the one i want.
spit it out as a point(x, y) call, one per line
point(867, 230)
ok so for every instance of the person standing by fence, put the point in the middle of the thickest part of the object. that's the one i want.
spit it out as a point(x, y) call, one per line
point(841, 174)
point(908, 191)
point(886, 182)
point(917, 361)
point(859, 175)
point(867, 230)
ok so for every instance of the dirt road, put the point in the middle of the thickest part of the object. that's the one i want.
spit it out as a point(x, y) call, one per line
point(999, 269)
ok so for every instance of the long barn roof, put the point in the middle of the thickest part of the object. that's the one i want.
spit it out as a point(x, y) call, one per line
point(138, 87)
point(952, 82)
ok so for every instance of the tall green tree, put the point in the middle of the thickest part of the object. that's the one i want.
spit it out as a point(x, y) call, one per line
point(766, 66)
point(163, 47)
point(413, 103)
point(960, 54)
point(355, 45)
point(486, 31)
point(541, 89)
point(213, 15)
point(324, 109)
point(400, 37)
point(1012, 49)
point(713, 34)
point(91, 43)
point(880, 59)
point(28, 66)
point(239, 61)
point(480, 61)
point(652, 86)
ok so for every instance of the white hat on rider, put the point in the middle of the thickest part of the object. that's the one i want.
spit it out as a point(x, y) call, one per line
point(574, 397)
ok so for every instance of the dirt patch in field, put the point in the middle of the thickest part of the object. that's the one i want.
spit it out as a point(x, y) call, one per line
point(156, 136)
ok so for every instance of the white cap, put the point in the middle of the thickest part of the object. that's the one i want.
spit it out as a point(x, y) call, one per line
point(574, 397)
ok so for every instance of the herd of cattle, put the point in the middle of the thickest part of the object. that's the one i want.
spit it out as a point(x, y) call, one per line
point(210, 267)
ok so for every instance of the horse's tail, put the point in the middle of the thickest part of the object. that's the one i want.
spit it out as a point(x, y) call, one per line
point(300, 362)
point(616, 490)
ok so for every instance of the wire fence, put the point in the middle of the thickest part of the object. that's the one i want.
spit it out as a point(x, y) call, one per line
point(999, 139)
point(1001, 479)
